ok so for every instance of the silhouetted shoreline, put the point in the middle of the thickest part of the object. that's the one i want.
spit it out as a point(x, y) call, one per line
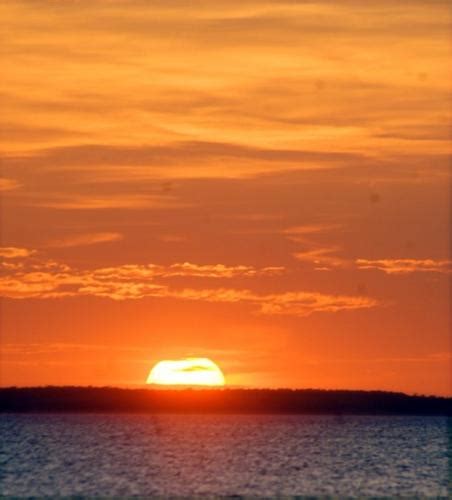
point(234, 401)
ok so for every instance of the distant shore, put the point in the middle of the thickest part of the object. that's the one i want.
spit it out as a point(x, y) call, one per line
point(223, 401)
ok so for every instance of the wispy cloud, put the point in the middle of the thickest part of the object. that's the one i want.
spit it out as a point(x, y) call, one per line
point(322, 256)
point(186, 269)
point(297, 303)
point(327, 257)
point(340, 101)
point(219, 270)
point(8, 184)
point(299, 233)
point(14, 252)
point(323, 259)
point(406, 266)
point(85, 239)
point(179, 159)
point(114, 201)
point(53, 280)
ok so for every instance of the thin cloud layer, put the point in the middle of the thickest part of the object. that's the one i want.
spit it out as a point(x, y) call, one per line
point(85, 240)
point(46, 280)
point(248, 74)
point(15, 252)
point(406, 266)
point(178, 159)
point(219, 270)
point(322, 258)
point(107, 202)
point(8, 184)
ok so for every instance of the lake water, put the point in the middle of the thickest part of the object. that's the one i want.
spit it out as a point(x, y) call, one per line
point(124, 455)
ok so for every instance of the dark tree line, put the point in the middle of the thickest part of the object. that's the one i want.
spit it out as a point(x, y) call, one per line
point(283, 401)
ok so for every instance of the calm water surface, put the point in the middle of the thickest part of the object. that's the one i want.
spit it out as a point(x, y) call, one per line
point(126, 455)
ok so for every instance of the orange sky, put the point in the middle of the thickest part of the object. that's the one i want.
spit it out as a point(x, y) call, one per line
point(262, 183)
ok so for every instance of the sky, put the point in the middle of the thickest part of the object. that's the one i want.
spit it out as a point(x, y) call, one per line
point(266, 184)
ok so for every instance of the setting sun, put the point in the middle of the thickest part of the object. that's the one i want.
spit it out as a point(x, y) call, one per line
point(187, 371)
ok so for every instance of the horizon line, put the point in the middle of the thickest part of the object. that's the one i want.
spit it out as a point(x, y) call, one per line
point(176, 388)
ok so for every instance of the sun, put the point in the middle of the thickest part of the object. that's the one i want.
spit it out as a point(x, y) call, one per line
point(187, 371)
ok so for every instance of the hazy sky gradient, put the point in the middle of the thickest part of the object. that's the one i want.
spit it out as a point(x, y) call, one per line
point(262, 183)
